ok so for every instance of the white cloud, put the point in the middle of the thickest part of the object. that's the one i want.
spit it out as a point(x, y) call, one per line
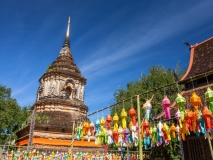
point(114, 50)
point(18, 91)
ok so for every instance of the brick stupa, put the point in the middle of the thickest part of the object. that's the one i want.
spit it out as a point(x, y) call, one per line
point(59, 102)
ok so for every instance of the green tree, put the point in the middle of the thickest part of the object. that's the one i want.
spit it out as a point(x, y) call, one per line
point(11, 115)
point(157, 76)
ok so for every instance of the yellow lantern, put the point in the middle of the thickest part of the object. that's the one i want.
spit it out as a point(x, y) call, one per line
point(115, 120)
point(123, 117)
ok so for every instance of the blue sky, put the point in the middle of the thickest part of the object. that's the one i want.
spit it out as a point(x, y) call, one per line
point(113, 41)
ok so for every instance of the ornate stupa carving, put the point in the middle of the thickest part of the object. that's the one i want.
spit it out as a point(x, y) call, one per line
point(59, 102)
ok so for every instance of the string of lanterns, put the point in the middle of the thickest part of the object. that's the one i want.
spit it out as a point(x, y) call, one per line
point(197, 120)
point(36, 155)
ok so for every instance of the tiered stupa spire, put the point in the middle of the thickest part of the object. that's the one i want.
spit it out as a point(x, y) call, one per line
point(67, 38)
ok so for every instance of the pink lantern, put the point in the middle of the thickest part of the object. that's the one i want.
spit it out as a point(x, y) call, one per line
point(166, 103)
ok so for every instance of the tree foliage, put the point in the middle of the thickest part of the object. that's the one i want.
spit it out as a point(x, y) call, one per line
point(11, 115)
point(157, 76)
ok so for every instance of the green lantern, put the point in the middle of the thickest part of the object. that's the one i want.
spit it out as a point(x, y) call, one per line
point(209, 95)
point(181, 101)
point(211, 107)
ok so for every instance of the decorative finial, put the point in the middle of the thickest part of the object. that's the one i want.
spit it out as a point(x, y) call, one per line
point(68, 29)
point(67, 38)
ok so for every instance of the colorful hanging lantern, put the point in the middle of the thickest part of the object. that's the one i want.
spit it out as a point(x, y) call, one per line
point(211, 107)
point(126, 136)
point(92, 128)
point(146, 142)
point(123, 117)
point(108, 121)
point(120, 136)
point(146, 128)
point(52, 155)
point(102, 121)
point(154, 135)
point(200, 125)
point(85, 128)
point(166, 103)
point(147, 107)
point(211, 125)
point(97, 131)
point(173, 129)
point(190, 120)
point(178, 132)
point(102, 135)
point(178, 115)
point(115, 136)
point(195, 100)
point(207, 117)
point(134, 136)
point(91, 131)
point(181, 101)
point(209, 97)
point(79, 132)
point(209, 94)
point(109, 138)
point(115, 120)
point(166, 133)
point(159, 133)
point(132, 113)
point(184, 129)
point(97, 126)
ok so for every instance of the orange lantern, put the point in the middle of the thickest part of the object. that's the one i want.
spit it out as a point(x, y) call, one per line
point(173, 129)
point(85, 128)
point(146, 127)
point(132, 114)
point(191, 120)
point(108, 121)
point(207, 117)
point(195, 100)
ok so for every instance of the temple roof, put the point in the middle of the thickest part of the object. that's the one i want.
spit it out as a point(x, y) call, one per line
point(201, 61)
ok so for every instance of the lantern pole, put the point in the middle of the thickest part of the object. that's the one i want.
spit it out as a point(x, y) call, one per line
point(139, 129)
point(210, 146)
